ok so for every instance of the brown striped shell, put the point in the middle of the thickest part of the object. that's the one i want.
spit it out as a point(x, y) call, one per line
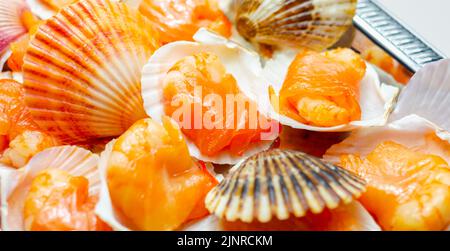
point(315, 24)
point(281, 183)
point(82, 70)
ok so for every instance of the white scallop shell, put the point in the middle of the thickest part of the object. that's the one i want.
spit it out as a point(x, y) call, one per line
point(427, 95)
point(423, 109)
point(244, 65)
point(376, 99)
point(82, 70)
point(15, 183)
point(40, 9)
point(104, 208)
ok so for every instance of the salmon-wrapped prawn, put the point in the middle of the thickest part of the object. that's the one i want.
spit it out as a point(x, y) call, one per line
point(56, 191)
point(322, 89)
point(180, 19)
point(152, 180)
point(231, 131)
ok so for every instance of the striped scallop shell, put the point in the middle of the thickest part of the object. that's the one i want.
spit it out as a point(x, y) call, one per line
point(82, 70)
point(11, 23)
point(281, 183)
point(315, 24)
point(16, 183)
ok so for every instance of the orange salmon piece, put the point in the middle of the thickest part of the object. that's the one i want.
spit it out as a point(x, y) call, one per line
point(233, 128)
point(153, 180)
point(19, 48)
point(407, 190)
point(20, 136)
point(181, 19)
point(58, 201)
point(322, 89)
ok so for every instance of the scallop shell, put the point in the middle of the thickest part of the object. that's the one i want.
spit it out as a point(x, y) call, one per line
point(17, 76)
point(104, 208)
point(422, 111)
point(40, 9)
point(82, 70)
point(427, 95)
point(16, 183)
point(243, 64)
point(281, 183)
point(11, 25)
point(376, 99)
point(315, 24)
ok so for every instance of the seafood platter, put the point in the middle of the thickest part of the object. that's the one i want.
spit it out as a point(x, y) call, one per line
point(195, 115)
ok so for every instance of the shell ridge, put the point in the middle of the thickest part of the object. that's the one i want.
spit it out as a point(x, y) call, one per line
point(296, 204)
point(112, 62)
point(288, 189)
point(284, 183)
point(316, 201)
point(276, 22)
point(334, 185)
point(11, 27)
point(75, 73)
point(108, 41)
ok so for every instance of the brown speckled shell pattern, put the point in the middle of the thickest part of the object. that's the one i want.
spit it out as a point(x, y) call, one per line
point(281, 184)
point(314, 24)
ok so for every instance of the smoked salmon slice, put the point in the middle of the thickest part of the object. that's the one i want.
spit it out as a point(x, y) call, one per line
point(200, 83)
point(322, 89)
point(153, 180)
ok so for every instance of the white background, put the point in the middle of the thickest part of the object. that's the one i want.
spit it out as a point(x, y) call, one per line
point(430, 19)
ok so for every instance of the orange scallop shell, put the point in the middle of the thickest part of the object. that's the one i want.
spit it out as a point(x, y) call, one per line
point(82, 70)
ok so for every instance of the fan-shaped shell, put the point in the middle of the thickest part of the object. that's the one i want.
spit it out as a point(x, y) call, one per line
point(315, 24)
point(281, 183)
point(16, 183)
point(243, 64)
point(12, 24)
point(427, 95)
point(82, 70)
